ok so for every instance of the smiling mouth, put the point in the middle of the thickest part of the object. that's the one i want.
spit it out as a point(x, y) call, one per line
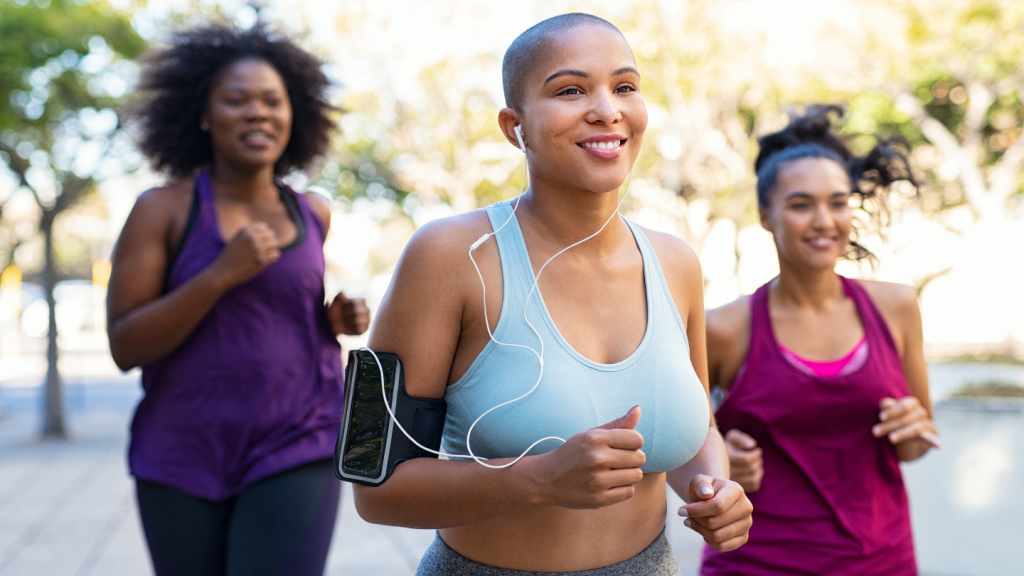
point(257, 137)
point(609, 145)
point(822, 241)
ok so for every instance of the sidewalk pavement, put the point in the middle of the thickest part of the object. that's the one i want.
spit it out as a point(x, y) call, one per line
point(68, 508)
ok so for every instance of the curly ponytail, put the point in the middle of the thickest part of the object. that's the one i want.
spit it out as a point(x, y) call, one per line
point(871, 176)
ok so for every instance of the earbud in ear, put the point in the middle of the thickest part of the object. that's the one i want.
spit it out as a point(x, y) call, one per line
point(519, 137)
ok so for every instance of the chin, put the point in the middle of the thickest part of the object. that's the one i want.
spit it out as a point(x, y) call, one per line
point(606, 183)
point(255, 163)
point(822, 263)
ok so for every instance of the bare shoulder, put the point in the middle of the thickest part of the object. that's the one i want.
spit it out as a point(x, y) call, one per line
point(898, 305)
point(437, 255)
point(320, 205)
point(728, 336)
point(674, 254)
point(172, 197)
point(893, 300)
point(449, 237)
point(730, 322)
point(163, 209)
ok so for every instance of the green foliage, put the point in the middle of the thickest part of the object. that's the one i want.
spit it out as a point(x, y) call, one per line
point(64, 68)
point(52, 55)
point(990, 389)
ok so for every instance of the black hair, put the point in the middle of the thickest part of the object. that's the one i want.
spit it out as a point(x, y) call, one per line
point(177, 79)
point(524, 51)
point(812, 135)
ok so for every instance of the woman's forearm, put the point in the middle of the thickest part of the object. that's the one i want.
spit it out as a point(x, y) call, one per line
point(430, 493)
point(711, 460)
point(154, 329)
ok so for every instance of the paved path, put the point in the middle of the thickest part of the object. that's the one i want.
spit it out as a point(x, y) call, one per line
point(67, 508)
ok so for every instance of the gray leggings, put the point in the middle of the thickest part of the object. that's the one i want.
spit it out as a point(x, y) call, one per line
point(656, 560)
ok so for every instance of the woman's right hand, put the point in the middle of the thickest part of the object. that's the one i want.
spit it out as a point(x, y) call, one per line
point(746, 466)
point(595, 468)
point(251, 250)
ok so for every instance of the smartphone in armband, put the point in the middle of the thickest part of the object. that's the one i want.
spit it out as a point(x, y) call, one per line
point(369, 444)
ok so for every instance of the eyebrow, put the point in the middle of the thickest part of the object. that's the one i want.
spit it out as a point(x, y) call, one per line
point(802, 194)
point(582, 74)
point(244, 88)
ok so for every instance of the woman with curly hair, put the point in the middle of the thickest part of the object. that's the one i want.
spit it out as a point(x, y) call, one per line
point(217, 292)
point(826, 388)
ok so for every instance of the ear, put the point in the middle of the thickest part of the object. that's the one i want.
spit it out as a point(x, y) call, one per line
point(765, 222)
point(508, 119)
point(204, 121)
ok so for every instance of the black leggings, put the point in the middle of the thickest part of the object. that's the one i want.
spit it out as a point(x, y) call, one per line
point(279, 525)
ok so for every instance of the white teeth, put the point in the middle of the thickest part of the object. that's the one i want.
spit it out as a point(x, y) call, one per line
point(603, 145)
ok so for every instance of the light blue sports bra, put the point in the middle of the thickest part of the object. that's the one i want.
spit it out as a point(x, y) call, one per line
point(576, 394)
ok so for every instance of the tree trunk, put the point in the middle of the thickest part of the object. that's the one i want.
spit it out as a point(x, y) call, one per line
point(53, 399)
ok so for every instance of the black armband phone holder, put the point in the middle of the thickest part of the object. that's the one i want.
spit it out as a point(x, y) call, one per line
point(369, 444)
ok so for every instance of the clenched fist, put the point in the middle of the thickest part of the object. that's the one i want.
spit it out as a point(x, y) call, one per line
point(746, 465)
point(719, 511)
point(252, 249)
point(348, 316)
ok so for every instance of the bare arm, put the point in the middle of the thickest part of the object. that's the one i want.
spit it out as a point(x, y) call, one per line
point(908, 422)
point(144, 324)
point(421, 319)
point(728, 332)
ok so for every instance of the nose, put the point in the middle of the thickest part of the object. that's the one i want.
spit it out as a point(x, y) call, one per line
point(604, 109)
point(256, 110)
point(822, 217)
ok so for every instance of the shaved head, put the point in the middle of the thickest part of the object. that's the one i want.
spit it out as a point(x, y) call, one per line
point(525, 51)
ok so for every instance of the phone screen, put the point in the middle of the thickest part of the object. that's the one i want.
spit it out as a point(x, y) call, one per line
point(368, 426)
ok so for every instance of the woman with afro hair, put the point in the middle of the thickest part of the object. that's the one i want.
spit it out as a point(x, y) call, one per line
point(825, 382)
point(217, 292)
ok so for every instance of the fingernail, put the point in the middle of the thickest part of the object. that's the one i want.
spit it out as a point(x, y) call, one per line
point(684, 512)
point(706, 490)
point(687, 523)
point(875, 430)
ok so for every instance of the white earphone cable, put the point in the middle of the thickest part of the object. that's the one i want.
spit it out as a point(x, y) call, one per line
point(540, 355)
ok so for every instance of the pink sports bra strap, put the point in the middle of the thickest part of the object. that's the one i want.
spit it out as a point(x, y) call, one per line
point(848, 363)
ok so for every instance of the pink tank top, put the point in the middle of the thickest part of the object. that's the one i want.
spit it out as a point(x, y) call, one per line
point(832, 500)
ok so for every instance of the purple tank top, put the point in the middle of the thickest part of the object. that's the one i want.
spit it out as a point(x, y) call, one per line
point(256, 388)
point(832, 500)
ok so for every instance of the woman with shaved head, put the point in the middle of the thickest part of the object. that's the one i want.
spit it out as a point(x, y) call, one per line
point(567, 388)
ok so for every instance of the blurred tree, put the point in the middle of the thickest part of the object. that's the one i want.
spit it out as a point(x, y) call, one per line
point(946, 74)
point(961, 84)
point(443, 153)
point(469, 163)
point(64, 68)
point(708, 98)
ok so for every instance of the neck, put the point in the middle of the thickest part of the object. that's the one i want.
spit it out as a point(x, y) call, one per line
point(243, 185)
point(806, 288)
point(565, 216)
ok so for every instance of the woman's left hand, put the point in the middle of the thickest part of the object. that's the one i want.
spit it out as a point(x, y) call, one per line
point(905, 419)
point(348, 316)
point(719, 511)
